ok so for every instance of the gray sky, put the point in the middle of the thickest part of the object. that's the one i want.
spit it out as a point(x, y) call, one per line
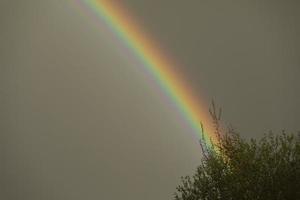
point(78, 120)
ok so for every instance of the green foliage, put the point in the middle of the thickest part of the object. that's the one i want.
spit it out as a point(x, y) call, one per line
point(236, 169)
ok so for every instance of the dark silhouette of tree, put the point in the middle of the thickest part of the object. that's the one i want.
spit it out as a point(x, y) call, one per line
point(238, 169)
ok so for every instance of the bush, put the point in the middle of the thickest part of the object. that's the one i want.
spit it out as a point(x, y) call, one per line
point(237, 169)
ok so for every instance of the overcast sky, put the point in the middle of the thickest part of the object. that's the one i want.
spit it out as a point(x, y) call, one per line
point(79, 121)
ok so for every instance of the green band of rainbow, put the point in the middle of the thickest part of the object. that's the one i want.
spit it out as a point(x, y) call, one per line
point(160, 67)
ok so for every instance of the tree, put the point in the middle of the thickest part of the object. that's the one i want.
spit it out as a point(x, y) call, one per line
point(239, 169)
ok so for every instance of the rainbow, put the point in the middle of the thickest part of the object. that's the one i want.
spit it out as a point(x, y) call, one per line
point(156, 63)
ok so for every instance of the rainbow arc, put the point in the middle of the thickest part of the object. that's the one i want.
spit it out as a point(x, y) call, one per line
point(160, 67)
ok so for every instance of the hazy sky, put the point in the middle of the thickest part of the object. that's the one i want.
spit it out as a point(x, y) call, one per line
point(79, 121)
